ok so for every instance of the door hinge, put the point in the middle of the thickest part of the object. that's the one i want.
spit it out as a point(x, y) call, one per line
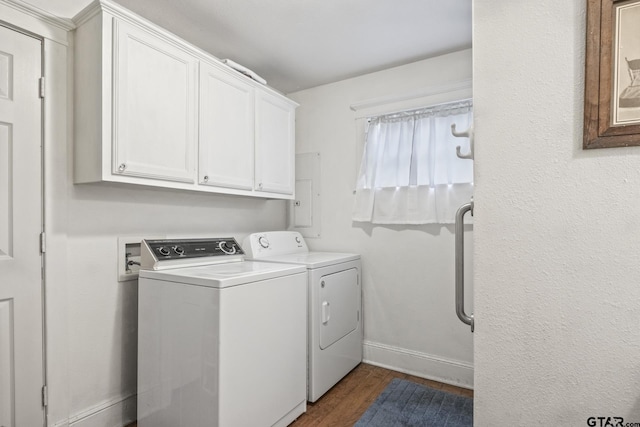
point(43, 243)
point(45, 396)
point(41, 85)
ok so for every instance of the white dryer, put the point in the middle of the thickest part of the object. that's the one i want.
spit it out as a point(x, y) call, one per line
point(221, 341)
point(335, 304)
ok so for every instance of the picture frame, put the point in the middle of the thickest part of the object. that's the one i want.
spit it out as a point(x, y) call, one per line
point(612, 74)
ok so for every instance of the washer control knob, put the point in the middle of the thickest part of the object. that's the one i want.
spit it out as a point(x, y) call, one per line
point(263, 242)
point(227, 248)
point(178, 250)
point(297, 239)
point(163, 251)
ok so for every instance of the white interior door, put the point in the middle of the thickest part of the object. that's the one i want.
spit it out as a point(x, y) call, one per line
point(21, 340)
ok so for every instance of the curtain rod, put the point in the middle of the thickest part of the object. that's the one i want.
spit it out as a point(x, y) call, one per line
point(434, 90)
point(422, 110)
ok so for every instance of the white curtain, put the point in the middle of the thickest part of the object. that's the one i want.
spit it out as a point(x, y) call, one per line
point(410, 173)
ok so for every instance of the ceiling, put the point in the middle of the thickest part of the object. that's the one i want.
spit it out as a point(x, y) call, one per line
point(299, 44)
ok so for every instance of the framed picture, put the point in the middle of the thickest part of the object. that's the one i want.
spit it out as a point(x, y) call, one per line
point(612, 74)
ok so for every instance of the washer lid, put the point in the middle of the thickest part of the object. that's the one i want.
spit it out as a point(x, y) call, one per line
point(313, 259)
point(224, 275)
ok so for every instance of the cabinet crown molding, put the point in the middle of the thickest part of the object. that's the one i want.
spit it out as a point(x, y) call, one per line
point(121, 13)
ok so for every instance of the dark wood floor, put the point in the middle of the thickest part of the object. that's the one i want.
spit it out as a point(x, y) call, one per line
point(345, 403)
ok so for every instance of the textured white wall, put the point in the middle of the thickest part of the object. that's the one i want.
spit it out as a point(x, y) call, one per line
point(409, 312)
point(556, 235)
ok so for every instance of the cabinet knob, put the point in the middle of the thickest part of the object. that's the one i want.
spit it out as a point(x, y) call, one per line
point(260, 185)
point(122, 167)
point(205, 178)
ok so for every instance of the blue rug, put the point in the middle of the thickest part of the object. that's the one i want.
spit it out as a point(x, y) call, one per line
point(407, 404)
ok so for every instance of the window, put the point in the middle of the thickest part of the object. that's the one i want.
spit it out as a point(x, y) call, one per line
point(410, 173)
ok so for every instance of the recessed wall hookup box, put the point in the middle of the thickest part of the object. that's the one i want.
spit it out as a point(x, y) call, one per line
point(129, 256)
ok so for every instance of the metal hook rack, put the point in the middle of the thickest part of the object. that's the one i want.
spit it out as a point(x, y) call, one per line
point(466, 134)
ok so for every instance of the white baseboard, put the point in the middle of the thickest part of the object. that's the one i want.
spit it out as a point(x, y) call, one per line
point(419, 364)
point(116, 412)
point(122, 411)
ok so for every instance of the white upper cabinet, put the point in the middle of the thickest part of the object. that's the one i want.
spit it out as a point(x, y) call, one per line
point(275, 144)
point(151, 109)
point(154, 133)
point(226, 129)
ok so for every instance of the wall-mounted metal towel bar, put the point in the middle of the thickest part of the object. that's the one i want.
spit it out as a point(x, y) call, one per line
point(459, 245)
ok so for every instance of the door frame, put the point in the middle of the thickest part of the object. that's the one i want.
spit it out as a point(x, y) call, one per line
point(42, 210)
point(55, 35)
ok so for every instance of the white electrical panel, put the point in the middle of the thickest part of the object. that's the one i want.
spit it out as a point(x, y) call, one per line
point(304, 211)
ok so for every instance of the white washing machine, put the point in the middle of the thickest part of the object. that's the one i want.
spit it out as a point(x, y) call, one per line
point(335, 304)
point(221, 341)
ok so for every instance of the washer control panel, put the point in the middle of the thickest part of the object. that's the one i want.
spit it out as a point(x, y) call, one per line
point(170, 249)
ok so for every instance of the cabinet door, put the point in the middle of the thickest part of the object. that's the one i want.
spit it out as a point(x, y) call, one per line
point(226, 129)
point(154, 106)
point(275, 144)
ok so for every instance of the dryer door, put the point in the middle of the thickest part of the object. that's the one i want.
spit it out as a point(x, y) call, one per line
point(338, 305)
